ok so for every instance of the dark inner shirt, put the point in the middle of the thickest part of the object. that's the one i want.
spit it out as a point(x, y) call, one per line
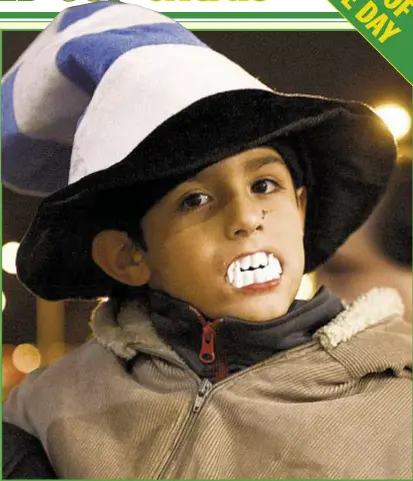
point(238, 344)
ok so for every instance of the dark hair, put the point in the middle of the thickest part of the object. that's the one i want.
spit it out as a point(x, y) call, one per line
point(117, 209)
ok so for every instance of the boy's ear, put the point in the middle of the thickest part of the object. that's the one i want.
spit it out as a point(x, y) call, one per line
point(116, 254)
point(301, 195)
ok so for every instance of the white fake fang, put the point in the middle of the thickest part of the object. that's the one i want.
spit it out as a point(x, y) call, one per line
point(253, 269)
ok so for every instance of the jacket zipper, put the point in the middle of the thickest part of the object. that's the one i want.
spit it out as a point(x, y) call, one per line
point(204, 389)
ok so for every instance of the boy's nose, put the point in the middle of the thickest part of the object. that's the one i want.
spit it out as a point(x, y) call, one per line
point(243, 218)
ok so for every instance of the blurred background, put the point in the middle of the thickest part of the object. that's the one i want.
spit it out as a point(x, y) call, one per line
point(336, 64)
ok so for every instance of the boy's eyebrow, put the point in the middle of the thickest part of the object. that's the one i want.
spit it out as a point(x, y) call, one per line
point(256, 164)
point(249, 165)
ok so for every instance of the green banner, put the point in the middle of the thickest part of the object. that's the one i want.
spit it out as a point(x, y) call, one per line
point(387, 25)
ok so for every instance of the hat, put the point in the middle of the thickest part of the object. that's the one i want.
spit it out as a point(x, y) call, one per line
point(391, 222)
point(114, 101)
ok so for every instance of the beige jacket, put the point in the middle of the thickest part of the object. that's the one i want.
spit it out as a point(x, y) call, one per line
point(338, 407)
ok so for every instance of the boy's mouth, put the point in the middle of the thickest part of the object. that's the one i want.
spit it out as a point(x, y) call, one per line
point(250, 269)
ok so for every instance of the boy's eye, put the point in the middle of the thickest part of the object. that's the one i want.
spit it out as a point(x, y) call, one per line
point(264, 186)
point(192, 201)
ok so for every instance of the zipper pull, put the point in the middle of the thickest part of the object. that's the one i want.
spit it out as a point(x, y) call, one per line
point(207, 353)
point(203, 391)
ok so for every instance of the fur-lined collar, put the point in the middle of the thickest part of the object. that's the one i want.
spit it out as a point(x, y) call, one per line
point(128, 332)
point(370, 309)
point(131, 329)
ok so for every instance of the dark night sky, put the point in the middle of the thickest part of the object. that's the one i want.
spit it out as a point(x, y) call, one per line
point(337, 64)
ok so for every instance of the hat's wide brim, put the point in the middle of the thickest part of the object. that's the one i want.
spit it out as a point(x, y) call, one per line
point(344, 145)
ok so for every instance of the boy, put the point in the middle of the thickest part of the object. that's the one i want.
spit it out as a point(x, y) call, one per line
point(197, 198)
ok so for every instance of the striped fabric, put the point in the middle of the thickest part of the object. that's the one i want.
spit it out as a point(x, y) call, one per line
point(94, 84)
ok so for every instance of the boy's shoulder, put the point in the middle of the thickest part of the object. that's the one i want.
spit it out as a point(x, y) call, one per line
point(77, 366)
point(370, 335)
point(51, 389)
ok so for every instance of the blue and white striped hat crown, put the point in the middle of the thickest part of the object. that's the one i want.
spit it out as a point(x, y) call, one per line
point(94, 84)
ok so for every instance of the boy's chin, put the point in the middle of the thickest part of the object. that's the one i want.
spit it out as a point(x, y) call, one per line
point(263, 306)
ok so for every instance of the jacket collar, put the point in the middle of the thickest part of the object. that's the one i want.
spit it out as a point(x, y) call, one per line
point(368, 310)
point(217, 348)
point(360, 327)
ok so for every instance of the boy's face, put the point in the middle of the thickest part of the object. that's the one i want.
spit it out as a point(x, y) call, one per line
point(242, 205)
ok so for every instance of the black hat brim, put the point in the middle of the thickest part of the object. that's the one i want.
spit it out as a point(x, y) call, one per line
point(344, 145)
